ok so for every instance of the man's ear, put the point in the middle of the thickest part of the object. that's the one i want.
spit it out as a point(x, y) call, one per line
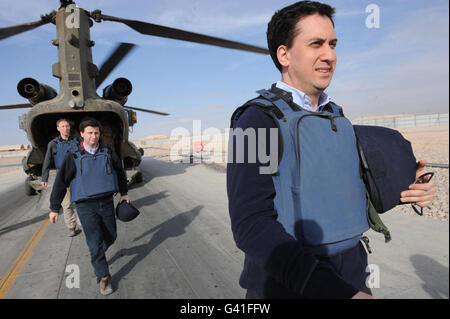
point(282, 55)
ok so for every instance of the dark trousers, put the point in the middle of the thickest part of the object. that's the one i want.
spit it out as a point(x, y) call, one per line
point(99, 225)
point(252, 294)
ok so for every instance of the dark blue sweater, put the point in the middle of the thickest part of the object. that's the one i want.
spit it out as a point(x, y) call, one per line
point(276, 265)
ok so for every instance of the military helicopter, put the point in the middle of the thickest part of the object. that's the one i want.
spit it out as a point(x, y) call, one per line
point(79, 80)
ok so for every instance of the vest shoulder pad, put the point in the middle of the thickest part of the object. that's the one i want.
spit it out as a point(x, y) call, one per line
point(336, 108)
point(260, 103)
point(106, 147)
point(78, 152)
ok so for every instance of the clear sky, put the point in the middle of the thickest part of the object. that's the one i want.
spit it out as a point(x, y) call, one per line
point(400, 67)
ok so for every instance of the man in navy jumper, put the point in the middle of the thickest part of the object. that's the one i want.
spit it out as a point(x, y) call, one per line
point(93, 195)
point(302, 43)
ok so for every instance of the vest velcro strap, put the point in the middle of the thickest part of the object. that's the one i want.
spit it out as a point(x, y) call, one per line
point(268, 95)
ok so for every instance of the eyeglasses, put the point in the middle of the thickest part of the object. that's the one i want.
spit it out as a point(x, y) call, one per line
point(424, 178)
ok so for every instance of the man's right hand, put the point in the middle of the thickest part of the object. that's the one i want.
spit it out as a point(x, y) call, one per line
point(44, 184)
point(53, 217)
point(362, 295)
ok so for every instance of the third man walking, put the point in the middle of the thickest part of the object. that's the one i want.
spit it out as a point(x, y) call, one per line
point(56, 151)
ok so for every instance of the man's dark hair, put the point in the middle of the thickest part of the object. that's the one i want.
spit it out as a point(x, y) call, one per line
point(88, 121)
point(281, 28)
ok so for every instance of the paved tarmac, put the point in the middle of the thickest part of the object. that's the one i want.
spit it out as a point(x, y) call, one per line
point(181, 245)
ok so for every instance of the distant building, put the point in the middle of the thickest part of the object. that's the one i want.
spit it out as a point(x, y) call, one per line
point(404, 120)
point(17, 147)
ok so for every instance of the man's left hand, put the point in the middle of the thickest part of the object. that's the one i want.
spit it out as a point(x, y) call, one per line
point(420, 194)
point(124, 197)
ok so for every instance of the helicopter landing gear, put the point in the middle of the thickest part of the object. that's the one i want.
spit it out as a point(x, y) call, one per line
point(134, 176)
point(29, 190)
point(138, 177)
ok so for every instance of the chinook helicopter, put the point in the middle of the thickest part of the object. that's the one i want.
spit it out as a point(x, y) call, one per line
point(79, 79)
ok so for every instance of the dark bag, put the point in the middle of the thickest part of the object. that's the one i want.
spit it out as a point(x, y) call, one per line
point(388, 167)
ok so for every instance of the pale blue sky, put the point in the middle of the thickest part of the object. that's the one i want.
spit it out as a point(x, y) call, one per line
point(401, 67)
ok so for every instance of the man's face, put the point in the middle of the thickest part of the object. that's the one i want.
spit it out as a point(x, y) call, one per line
point(311, 60)
point(91, 136)
point(64, 129)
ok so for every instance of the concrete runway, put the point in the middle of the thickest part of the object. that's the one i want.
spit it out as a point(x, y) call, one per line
point(181, 245)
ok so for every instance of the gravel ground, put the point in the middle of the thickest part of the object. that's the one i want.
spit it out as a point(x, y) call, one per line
point(432, 144)
point(438, 209)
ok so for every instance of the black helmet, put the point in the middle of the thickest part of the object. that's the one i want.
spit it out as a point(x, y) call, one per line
point(126, 212)
point(388, 162)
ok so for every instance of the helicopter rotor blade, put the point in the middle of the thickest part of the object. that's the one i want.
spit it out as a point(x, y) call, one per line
point(172, 33)
point(15, 106)
point(114, 59)
point(145, 110)
point(16, 29)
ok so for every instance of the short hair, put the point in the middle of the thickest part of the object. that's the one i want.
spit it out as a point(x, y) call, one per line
point(61, 120)
point(281, 28)
point(88, 121)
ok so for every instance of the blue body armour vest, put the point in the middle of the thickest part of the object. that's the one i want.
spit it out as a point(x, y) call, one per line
point(320, 196)
point(62, 147)
point(95, 176)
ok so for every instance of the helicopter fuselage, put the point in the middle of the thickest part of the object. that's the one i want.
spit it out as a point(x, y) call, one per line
point(77, 97)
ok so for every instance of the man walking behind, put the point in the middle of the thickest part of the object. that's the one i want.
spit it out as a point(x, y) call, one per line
point(95, 173)
point(56, 151)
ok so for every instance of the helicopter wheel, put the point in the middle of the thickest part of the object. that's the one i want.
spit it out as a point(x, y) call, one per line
point(29, 191)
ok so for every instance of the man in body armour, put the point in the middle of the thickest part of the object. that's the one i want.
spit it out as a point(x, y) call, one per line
point(321, 255)
point(95, 173)
point(56, 151)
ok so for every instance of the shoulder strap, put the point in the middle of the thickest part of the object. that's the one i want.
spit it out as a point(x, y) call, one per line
point(75, 139)
point(276, 100)
point(375, 222)
point(80, 151)
point(262, 104)
point(334, 108)
point(105, 147)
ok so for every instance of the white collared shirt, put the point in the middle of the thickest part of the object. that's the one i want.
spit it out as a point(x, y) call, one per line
point(90, 150)
point(301, 99)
